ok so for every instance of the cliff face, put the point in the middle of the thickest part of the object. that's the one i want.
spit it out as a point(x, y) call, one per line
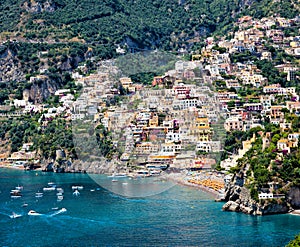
point(293, 197)
point(41, 90)
point(10, 67)
point(239, 200)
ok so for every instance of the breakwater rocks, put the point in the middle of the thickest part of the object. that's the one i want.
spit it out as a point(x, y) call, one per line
point(238, 199)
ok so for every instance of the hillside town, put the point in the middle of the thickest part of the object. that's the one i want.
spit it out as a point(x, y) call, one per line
point(180, 120)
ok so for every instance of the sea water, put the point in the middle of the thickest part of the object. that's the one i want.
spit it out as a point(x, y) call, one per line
point(180, 216)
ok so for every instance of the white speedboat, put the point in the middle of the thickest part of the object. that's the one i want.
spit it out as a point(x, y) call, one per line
point(76, 193)
point(33, 213)
point(63, 210)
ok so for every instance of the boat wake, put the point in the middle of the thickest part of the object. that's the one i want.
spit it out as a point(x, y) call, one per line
point(13, 215)
point(58, 212)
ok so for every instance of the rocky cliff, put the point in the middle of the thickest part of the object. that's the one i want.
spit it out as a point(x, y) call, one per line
point(10, 66)
point(238, 199)
point(41, 90)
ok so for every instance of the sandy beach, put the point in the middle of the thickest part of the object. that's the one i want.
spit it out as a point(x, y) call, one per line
point(182, 179)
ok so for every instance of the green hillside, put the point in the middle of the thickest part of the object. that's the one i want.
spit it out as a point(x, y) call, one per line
point(169, 24)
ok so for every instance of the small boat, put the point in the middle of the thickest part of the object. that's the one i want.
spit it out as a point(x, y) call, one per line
point(14, 215)
point(114, 180)
point(60, 190)
point(51, 184)
point(33, 213)
point(19, 187)
point(118, 175)
point(76, 193)
point(60, 198)
point(77, 187)
point(124, 183)
point(39, 194)
point(92, 190)
point(24, 205)
point(48, 188)
point(63, 210)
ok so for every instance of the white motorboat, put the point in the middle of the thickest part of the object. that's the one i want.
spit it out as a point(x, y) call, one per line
point(49, 188)
point(33, 213)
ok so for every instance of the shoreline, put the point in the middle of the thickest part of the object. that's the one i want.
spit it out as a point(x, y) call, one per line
point(181, 179)
point(295, 212)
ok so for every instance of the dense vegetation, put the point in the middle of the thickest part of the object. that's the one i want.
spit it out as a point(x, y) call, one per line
point(295, 242)
point(141, 24)
point(57, 134)
point(264, 165)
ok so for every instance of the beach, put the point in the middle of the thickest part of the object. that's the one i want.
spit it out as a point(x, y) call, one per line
point(184, 178)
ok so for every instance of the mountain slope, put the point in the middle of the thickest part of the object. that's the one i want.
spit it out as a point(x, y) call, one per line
point(166, 24)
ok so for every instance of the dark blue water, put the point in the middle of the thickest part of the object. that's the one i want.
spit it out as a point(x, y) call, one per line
point(180, 216)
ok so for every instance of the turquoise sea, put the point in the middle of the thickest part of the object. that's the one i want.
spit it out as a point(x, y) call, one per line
point(180, 216)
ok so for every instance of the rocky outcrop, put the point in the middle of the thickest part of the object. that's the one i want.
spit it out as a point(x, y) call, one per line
point(10, 66)
point(40, 6)
point(239, 200)
point(42, 89)
point(293, 197)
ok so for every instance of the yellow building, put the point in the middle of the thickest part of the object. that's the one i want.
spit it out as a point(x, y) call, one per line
point(201, 129)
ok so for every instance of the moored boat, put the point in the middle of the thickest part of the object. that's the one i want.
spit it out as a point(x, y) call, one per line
point(48, 188)
point(118, 175)
point(77, 187)
point(39, 194)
